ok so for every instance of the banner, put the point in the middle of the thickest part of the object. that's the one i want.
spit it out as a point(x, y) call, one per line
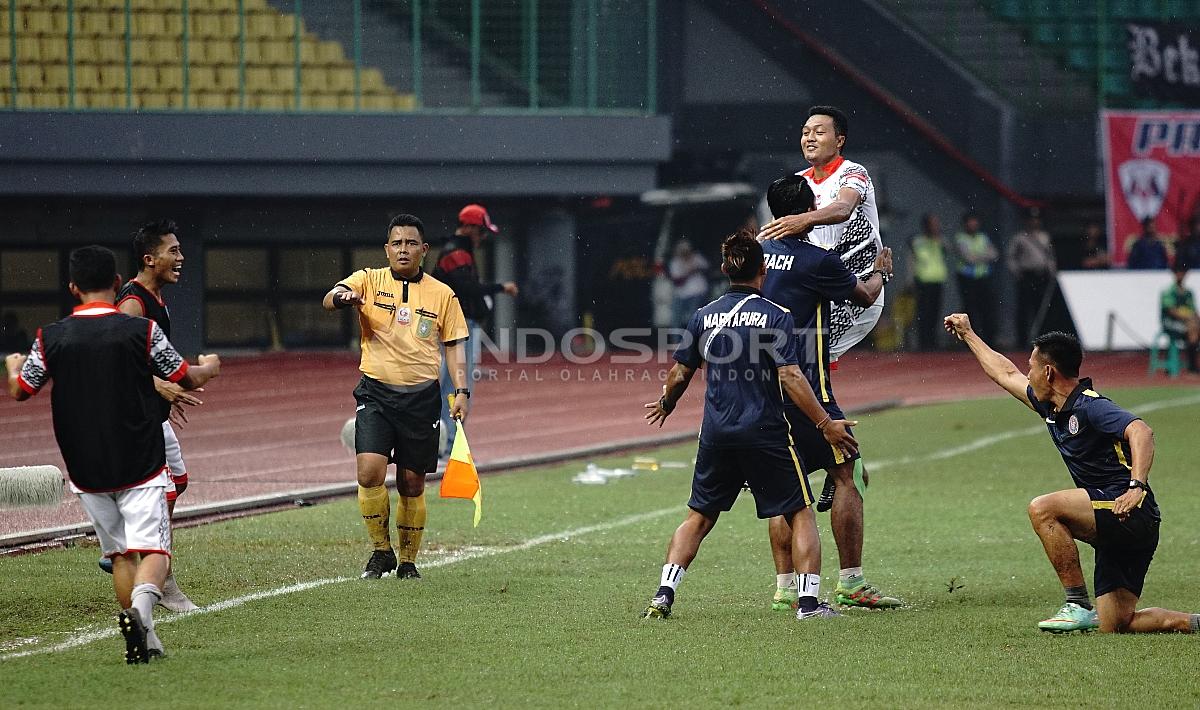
point(1151, 170)
point(1164, 61)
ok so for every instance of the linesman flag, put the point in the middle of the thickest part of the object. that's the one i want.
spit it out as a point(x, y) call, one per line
point(461, 480)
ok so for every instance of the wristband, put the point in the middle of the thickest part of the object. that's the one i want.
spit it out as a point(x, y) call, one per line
point(339, 302)
point(824, 422)
point(662, 404)
point(463, 391)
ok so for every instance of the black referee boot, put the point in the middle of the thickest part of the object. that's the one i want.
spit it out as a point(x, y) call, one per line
point(825, 502)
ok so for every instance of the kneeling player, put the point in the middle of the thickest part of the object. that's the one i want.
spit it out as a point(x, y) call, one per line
point(1108, 452)
point(745, 343)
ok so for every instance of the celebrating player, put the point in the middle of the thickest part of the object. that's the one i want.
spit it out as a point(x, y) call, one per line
point(746, 345)
point(405, 315)
point(161, 258)
point(106, 420)
point(846, 220)
point(809, 280)
point(1108, 452)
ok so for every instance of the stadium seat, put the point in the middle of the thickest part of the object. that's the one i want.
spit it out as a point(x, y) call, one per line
point(102, 99)
point(207, 26)
point(202, 78)
point(329, 53)
point(220, 51)
point(170, 77)
point(165, 51)
point(112, 77)
point(340, 80)
point(1164, 355)
point(260, 25)
point(152, 100)
point(97, 24)
point(5, 51)
point(283, 78)
point(371, 79)
point(319, 102)
point(42, 99)
point(270, 101)
point(278, 51)
point(30, 76)
point(55, 76)
point(87, 77)
point(149, 24)
point(42, 22)
point(259, 80)
point(139, 51)
point(54, 49)
point(227, 78)
point(314, 80)
point(145, 78)
point(209, 100)
point(29, 49)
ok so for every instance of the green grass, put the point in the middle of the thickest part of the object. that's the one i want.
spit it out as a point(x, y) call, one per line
point(556, 624)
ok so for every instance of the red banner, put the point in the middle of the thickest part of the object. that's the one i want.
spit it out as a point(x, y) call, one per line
point(1151, 170)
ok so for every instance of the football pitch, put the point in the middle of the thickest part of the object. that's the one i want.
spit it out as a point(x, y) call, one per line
point(539, 605)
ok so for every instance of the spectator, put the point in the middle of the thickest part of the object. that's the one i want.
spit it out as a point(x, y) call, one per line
point(1030, 258)
point(975, 256)
point(688, 273)
point(1147, 251)
point(1187, 249)
point(456, 268)
point(1179, 319)
point(1095, 250)
point(929, 271)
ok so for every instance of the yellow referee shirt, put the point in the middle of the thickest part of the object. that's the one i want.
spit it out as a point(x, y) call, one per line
point(404, 322)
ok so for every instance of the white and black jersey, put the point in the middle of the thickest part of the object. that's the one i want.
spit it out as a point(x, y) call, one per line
point(857, 241)
point(105, 407)
point(153, 309)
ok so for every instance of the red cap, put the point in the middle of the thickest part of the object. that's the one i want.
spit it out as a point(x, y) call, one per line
point(476, 214)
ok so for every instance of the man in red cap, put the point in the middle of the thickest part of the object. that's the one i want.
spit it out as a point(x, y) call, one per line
point(456, 267)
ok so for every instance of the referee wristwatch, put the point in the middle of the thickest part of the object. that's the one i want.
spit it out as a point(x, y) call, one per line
point(464, 391)
point(1135, 483)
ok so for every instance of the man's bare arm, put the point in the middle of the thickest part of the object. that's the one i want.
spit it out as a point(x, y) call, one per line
point(340, 297)
point(867, 291)
point(836, 432)
point(835, 212)
point(1000, 369)
point(678, 379)
point(1141, 453)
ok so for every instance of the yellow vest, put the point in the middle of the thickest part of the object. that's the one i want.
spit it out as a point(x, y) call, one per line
point(929, 263)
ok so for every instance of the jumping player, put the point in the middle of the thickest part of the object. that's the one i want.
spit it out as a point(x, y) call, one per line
point(808, 280)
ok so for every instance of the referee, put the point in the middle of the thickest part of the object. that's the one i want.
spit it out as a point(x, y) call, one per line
point(405, 316)
point(1108, 452)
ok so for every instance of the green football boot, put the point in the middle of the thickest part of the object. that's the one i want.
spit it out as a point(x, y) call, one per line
point(864, 595)
point(784, 600)
point(1071, 617)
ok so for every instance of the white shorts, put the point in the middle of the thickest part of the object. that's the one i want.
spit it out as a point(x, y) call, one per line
point(132, 520)
point(851, 324)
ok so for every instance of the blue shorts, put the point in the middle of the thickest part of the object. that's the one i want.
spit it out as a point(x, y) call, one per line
point(816, 453)
point(774, 474)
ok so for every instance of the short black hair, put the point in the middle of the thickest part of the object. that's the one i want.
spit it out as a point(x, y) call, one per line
point(790, 194)
point(841, 123)
point(926, 219)
point(968, 216)
point(741, 256)
point(149, 237)
point(1061, 350)
point(92, 268)
point(407, 220)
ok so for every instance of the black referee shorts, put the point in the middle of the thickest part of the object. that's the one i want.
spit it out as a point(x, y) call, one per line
point(404, 426)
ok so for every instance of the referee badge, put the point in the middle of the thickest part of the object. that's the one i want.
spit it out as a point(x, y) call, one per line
point(404, 315)
point(424, 327)
point(1073, 425)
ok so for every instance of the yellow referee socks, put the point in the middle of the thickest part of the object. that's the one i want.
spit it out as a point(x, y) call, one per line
point(375, 507)
point(410, 524)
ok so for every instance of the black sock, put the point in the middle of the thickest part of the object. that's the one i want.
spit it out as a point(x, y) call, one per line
point(667, 592)
point(1191, 356)
point(1079, 595)
point(807, 604)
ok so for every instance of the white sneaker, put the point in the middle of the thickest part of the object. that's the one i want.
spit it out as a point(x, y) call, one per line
point(173, 598)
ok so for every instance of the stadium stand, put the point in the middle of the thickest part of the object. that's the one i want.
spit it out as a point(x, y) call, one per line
point(219, 61)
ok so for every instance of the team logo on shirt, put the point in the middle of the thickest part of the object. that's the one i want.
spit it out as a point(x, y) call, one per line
point(424, 327)
point(404, 315)
point(1073, 425)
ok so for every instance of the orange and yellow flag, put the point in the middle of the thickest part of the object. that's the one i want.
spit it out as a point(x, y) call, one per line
point(461, 480)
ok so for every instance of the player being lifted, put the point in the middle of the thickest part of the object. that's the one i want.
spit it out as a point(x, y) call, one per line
point(809, 280)
point(846, 220)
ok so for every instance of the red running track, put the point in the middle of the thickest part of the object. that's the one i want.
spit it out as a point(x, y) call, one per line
point(270, 423)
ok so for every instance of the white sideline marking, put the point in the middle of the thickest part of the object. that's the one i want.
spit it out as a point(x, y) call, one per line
point(470, 553)
point(986, 441)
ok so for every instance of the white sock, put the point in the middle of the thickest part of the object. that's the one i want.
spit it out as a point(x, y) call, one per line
point(785, 581)
point(810, 585)
point(145, 596)
point(850, 573)
point(672, 575)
